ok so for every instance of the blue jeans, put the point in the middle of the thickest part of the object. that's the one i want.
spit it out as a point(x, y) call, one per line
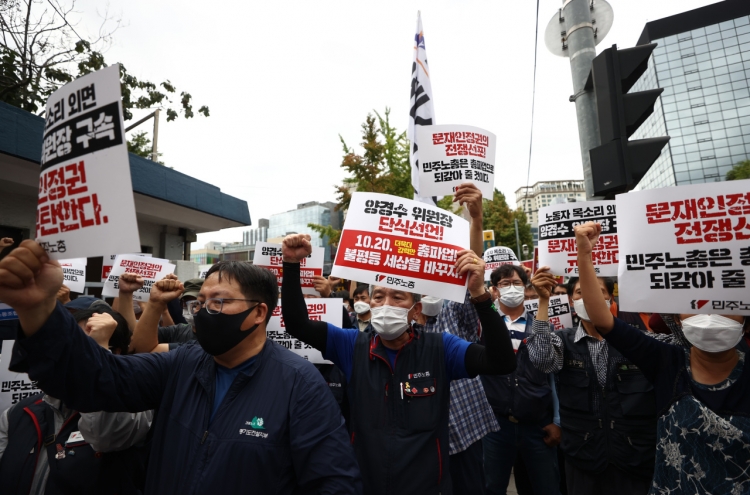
point(501, 448)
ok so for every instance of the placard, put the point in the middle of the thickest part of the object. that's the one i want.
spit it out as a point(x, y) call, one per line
point(558, 311)
point(108, 262)
point(497, 256)
point(268, 255)
point(450, 155)
point(85, 205)
point(557, 238)
point(151, 269)
point(7, 313)
point(203, 270)
point(74, 274)
point(14, 387)
point(686, 249)
point(328, 310)
point(402, 244)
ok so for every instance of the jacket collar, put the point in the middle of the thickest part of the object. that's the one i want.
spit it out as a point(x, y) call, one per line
point(206, 369)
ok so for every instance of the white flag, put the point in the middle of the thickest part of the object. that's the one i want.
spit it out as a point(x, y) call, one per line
point(422, 111)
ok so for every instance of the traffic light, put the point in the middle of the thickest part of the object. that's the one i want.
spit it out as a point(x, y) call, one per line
point(618, 164)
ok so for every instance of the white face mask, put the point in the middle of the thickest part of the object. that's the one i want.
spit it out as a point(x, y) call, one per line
point(390, 321)
point(712, 333)
point(431, 305)
point(188, 316)
point(361, 307)
point(512, 296)
point(581, 309)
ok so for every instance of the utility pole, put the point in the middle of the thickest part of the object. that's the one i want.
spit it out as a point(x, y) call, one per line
point(574, 32)
point(518, 240)
point(154, 147)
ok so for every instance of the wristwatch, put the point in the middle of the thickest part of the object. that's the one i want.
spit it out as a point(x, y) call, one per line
point(482, 298)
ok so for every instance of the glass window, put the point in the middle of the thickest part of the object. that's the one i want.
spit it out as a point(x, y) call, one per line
point(719, 152)
point(734, 141)
point(715, 48)
point(730, 114)
point(719, 71)
point(731, 50)
point(680, 167)
point(680, 177)
point(712, 29)
point(698, 32)
point(708, 81)
point(721, 88)
point(702, 57)
point(686, 45)
point(738, 76)
point(734, 131)
point(742, 21)
point(726, 25)
point(737, 150)
point(705, 146)
point(731, 41)
point(691, 148)
point(731, 122)
point(742, 30)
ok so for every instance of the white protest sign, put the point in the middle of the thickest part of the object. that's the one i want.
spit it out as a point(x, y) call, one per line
point(85, 204)
point(328, 310)
point(151, 269)
point(7, 313)
point(558, 311)
point(497, 256)
point(557, 239)
point(402, 244)
point(74, 274)
point(108, 262)
point(268, 255)
point(686, 249)
point(450, 155)
point(14, 387)
point(203, 270)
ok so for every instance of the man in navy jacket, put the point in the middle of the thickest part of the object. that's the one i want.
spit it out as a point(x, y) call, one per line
point(235, 414)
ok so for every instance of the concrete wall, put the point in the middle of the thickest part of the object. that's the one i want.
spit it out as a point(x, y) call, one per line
point(18, 211)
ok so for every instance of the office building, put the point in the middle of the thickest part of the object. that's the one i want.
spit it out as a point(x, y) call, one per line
point(702, 60)
point(259, 234)
point(531, 199)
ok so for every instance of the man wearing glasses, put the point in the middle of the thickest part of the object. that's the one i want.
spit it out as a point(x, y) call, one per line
point(235, 414)
point(524, 402)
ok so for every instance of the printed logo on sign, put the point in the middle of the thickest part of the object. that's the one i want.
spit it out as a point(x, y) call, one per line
point(398, 282)
point(379, 277)
point(698, 304)
point(256, 423)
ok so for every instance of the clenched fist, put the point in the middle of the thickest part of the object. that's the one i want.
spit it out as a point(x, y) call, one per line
point(587, 235)
point(296, 247)
point(165, 290)
point(130, 282)
point(100, 327)
point(29, 279)
point(470, 263)
point(5, 242)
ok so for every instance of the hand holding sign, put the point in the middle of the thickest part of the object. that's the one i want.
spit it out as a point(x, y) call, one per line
point(322, 285)
point(130, 282)
point(469, 195)
point(544, 282)
point(166, 289)
point(100, 327)
point(296, 247)
point(5, 242)
point(587, 235)
point(472, 265)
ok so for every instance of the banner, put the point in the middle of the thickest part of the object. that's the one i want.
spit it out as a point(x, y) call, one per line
point(85, 204)
point(328, 310)
point(109, 260)
point(402, 244)
point(14, 387)
point(268, 255)
point(558, 311)
point(496, 257)
point(7, 313)
point(557, 239)
point(450, 155)
point(74, 274)
point(202, 270)
point(151, 269)
point(686, 249)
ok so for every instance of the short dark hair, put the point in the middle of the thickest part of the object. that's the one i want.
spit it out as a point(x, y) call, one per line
point(120, 338)
point(506, 271)
point(255, 282)
point(360, 289)
point(609, 284)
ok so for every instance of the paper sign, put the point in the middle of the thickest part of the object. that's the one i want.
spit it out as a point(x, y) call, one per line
point(85, 204)
point(7, 313)
point(151, 269)
point(686, 249)
point(558, 311)
point(14, 387)
point(202, 270)
point(268, 255)
point(74, 274)
point(109, 260)
point(557, 239)
point(496, 257)
point(402, 244)
point(328, 310)
point(450, 155)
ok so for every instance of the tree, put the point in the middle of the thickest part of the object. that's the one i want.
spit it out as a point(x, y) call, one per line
point(740, 171)
point(139, 144)
point(40, 50)
point(499, 217)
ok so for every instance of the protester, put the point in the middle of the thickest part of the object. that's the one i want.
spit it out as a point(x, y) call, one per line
point(235, 400)
point(702, 392)
point(524, 402)
point(399, 407)
point(607, 408)
point(561, 290)
point(529, 293)
point(48, 447)
point(362, 307)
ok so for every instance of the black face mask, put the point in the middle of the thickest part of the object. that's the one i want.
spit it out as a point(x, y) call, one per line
point(220, 333)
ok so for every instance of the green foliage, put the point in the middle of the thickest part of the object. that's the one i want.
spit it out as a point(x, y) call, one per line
point(139, 144)
point(40, 51)
point(446, 203)
point(499, 217)
point(740, 171)
point(326, 231)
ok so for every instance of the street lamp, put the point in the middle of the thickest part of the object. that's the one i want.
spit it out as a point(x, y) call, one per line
point(223, 250)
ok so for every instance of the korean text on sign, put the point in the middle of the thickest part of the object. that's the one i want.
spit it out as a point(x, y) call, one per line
point(74, 274)
point(268, 256)
point(85, 205)
point(328, 310)
point(497, 256)
point(151, 269)
point(558, 311)
point(686, 249)
point(402, 244)
point(452, 154)
point(14, 387)
point(557, 240)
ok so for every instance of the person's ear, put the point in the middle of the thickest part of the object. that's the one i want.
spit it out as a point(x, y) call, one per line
point(256, 317)
point(416, 311)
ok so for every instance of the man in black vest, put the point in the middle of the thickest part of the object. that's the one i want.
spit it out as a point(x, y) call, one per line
point(46, 447)
point(399, 377)
point(607, 407)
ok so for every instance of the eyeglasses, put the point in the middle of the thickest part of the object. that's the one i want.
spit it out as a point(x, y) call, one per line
point(213, 306)
point(506, 283)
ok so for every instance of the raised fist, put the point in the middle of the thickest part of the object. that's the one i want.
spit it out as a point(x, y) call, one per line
point(63, 294)
point(165, 290)
point(5, 242)
point(28, 277)
point(100, 327)
point(130, 282)
point(544, 282)
point(296, 247)
point(587, 235)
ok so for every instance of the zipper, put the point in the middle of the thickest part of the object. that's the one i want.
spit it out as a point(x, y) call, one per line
point(205, 435)
point(440, 461)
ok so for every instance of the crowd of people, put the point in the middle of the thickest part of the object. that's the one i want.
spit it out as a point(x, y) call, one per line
point(186, 394)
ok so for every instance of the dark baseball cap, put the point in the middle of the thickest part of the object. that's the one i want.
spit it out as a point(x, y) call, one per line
point(192, 287)
point(82, 302)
